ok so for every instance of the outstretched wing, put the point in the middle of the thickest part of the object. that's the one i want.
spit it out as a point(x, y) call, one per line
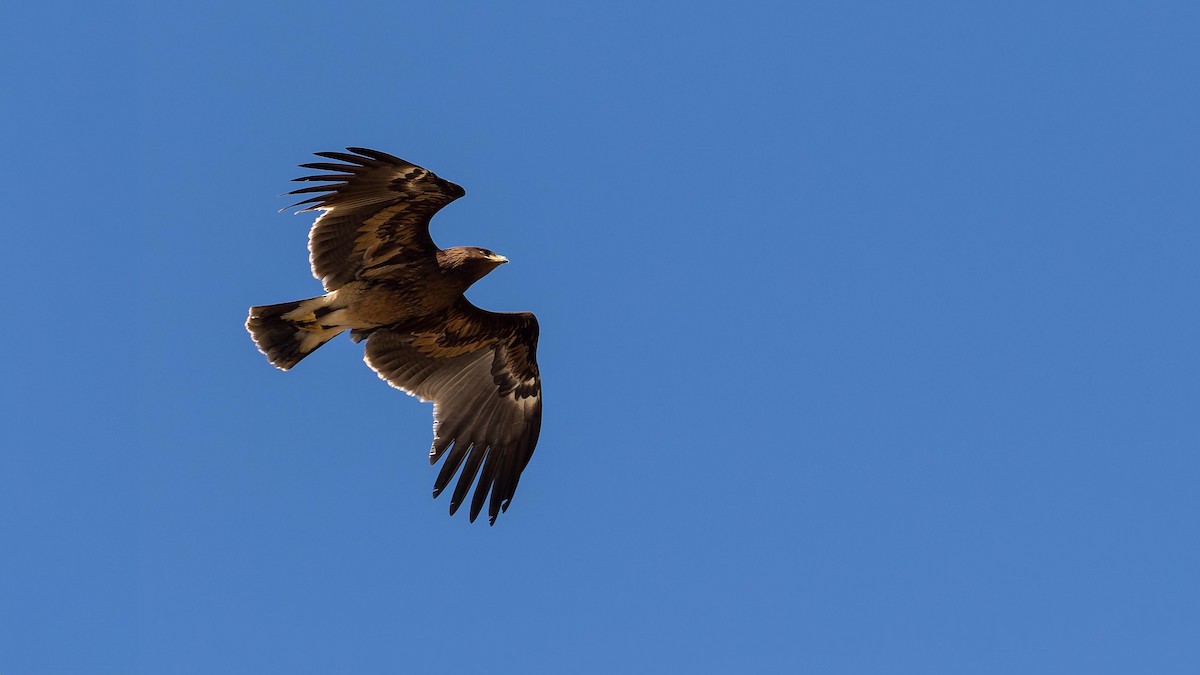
point(480, 370)
point(376, 220)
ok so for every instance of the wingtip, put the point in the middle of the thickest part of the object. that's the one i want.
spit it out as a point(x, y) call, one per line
point(315, 201)
point(327, 166)
point(353, 159)
point(378, 155)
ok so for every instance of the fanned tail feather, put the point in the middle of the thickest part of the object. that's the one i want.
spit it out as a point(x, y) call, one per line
point(290, 331)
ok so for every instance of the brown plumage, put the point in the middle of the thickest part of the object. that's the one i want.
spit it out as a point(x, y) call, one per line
point(389, 284)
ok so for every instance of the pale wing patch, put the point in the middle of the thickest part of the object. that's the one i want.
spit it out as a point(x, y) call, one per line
point(370, 244)
point(427, 343)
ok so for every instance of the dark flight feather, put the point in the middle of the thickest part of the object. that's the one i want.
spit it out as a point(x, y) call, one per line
point(476, 403)
point(376, 203)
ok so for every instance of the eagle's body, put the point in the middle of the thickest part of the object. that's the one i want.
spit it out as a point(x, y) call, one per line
point(389, 284)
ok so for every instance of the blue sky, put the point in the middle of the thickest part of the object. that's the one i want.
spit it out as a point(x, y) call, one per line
point(869, 339)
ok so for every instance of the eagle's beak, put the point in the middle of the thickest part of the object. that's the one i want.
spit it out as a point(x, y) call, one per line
point(500, 260)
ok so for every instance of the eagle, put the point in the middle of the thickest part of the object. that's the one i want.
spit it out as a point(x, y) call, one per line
point(390, 285)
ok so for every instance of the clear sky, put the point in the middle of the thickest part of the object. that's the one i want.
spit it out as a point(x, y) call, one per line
point(869, 339)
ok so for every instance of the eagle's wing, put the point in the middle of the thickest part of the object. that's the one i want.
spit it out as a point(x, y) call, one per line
point(376, 218)
point(480, 370)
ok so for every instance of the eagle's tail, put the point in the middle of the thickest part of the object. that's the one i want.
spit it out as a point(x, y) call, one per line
point(290, 331)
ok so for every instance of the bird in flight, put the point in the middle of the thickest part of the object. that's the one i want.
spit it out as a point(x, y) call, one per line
point(389, 284)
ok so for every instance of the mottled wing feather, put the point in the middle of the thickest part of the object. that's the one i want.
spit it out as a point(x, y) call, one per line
point(376, 215)
point(480, 370)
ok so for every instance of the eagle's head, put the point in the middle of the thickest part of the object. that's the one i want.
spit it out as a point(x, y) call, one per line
point(472, 262)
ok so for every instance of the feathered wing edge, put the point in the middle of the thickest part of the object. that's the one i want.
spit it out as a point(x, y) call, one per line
point(357, 166)
point(477, 428)
point(376, 211)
